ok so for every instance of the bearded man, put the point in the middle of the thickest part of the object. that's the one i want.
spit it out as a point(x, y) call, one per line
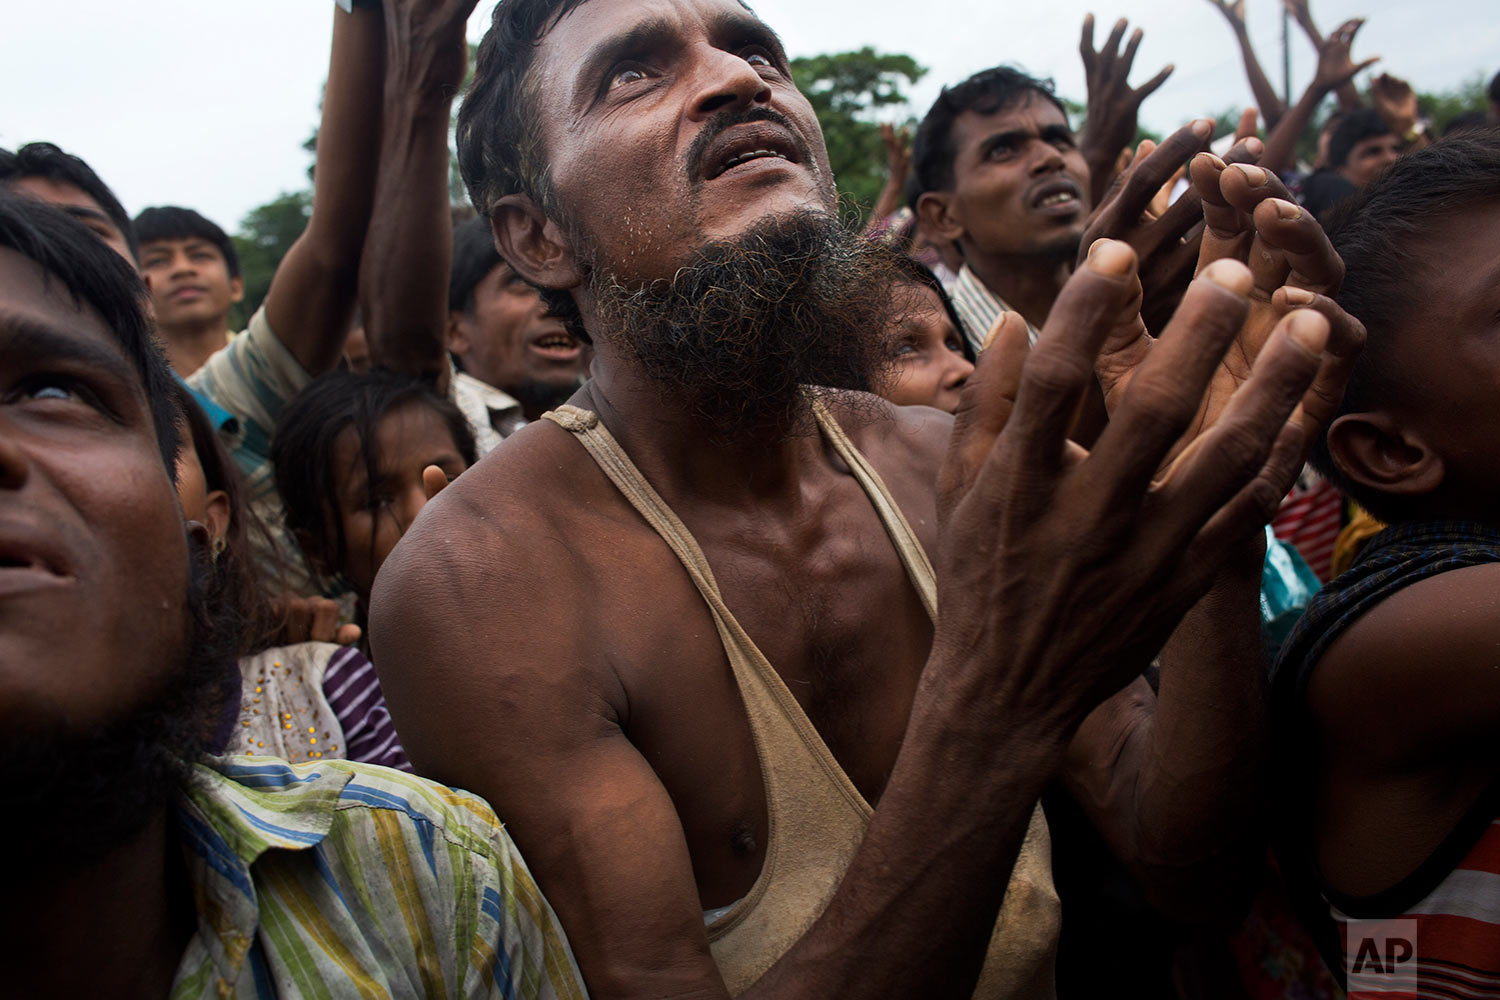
point(765, 687)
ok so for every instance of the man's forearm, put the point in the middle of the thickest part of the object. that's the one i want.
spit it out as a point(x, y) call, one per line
point(311, 299)
point(1193, 760)
point(408, 252)
point(1281, 144)
point(1271, 108)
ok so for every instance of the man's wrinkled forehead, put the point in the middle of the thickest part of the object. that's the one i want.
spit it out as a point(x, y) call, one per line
point(591, 37)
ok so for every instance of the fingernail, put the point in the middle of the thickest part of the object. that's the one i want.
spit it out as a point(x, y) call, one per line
point(1111, 257)
point(1230, 274)
point(1203, 128)
point(1256, 176)
point(1254, 146)
point(1287, 210)
point(1298, 296)
point(1218, 163)
point(1308, 330)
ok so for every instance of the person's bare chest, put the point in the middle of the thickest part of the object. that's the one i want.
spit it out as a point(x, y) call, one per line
point(829, 604)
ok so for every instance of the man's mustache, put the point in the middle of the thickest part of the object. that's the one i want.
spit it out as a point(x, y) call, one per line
point(729, 119)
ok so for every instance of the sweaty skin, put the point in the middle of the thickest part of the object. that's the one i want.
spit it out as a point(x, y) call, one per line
point(583, 689)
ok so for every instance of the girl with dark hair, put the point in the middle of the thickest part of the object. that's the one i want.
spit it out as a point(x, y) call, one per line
point(302, 701)
point(356, 457)
point(933, 358)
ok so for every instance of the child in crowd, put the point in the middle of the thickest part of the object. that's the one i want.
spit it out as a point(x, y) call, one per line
point(933, 358)
point(1386, 699)
point(356, 457)
point(301, 701)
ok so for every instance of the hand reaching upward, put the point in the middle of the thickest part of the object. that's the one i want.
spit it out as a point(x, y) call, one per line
point(1336, 65)
point(1250, 218)
point(1233, 11)
point(1113, 105)
point(1166, 240)
point(1044, 542)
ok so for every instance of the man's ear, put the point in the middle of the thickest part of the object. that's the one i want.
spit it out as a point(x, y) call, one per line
point(457, 335)
point(935, 209)
point(1374, 450)
point(236, 289)
point(533, 244)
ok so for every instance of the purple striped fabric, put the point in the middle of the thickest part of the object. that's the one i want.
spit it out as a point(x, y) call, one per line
point(354, 694)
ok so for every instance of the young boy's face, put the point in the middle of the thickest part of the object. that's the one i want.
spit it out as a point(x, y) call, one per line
point(190, 283)
point(1449, 349)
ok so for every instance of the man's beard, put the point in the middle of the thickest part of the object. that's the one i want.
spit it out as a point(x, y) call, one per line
point(74, 795)
point(738, 335)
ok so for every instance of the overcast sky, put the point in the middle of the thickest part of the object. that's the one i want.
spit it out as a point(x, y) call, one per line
point(206, 104)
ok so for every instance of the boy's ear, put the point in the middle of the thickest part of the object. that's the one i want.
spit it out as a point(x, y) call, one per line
point(456, 335)
point(237, 289)
point(533, 244)
point(1374, 450)
point(935, 210)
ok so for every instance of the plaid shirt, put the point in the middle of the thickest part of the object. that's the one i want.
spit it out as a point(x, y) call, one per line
point(335, 879)
point(978, 308)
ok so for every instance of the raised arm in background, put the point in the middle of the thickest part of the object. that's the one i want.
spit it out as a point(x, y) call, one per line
point(898, 166)
point(1113, 105)
point(311, 299)
point(1335, 67)
point(1271, 107)
point(1397, 104)
point(1349, 98)
point(403, 287)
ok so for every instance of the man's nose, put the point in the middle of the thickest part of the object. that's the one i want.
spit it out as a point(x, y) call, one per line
point(1046, 158)
point(724, 80)
point(14, 465)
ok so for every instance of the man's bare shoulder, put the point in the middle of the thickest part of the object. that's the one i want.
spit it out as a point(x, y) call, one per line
point(1418, 670)
point(532, 524)
point(894, 437)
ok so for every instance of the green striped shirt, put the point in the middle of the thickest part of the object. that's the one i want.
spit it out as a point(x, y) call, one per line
point(337, 879)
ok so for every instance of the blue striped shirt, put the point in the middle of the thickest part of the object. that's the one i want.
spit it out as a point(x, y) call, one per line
point(336, 879)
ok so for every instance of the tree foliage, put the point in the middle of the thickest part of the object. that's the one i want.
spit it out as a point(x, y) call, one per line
point(846, 89)
point(266, 234)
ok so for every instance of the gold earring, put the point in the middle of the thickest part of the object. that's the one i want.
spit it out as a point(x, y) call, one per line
point(218, 547)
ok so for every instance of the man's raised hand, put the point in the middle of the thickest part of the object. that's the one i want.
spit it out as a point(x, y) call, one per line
point(1167, 243)
point(1336, 65)
point(1233, 11)
point(426, 49)
point(1113, 105)
point(1250, 218)
point(1070, 567)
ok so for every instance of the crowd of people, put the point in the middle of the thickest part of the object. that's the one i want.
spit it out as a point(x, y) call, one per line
point(1080, 580)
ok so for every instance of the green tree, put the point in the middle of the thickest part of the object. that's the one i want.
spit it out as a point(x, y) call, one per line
point(1445, 105)
point(845, 89)
point(266, 234)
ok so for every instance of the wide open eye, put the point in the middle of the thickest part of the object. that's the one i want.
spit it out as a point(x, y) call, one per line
point(625, 75)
